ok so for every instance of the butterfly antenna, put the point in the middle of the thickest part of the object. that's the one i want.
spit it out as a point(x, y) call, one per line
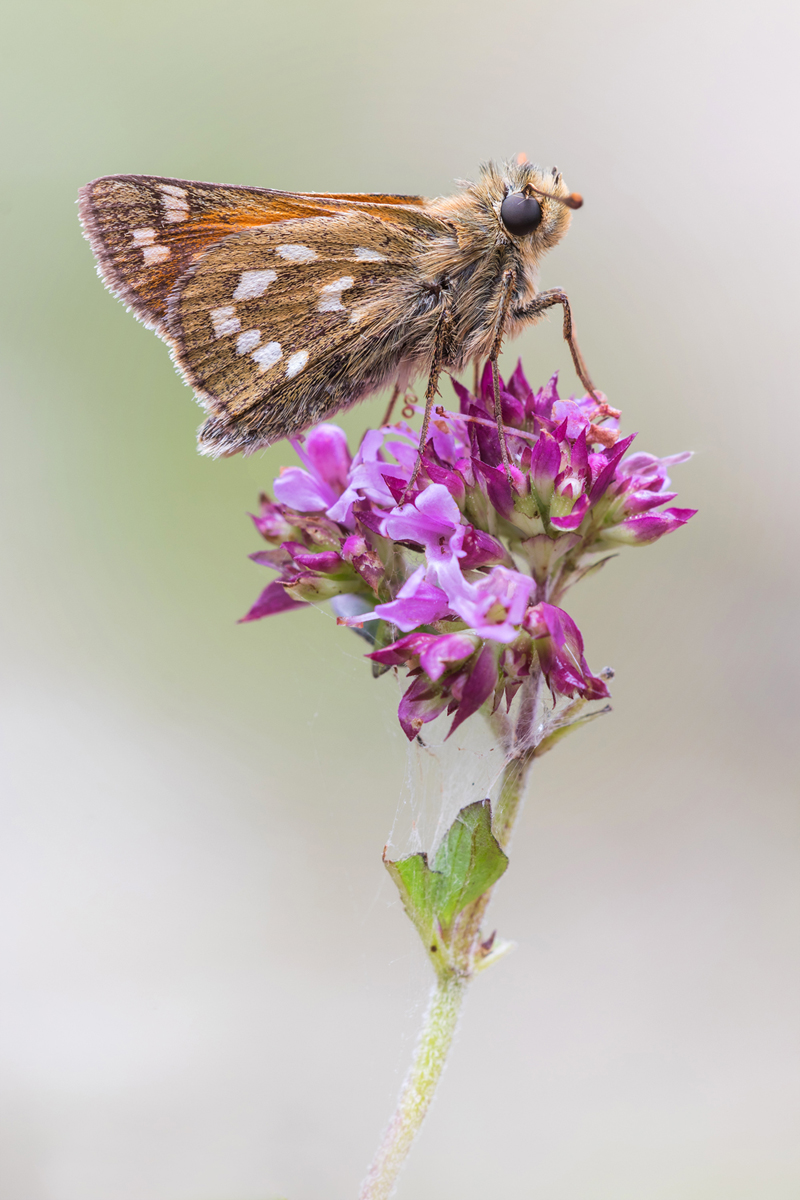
point(573, 200)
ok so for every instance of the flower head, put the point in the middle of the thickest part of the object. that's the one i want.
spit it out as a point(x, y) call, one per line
point(470, 566)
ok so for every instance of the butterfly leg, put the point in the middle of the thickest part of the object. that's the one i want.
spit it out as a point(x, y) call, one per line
point(392, 401)
point(546, 300)
point(506, 291)
point(440, 338)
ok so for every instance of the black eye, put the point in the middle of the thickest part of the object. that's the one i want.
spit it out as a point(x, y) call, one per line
point(520, 214)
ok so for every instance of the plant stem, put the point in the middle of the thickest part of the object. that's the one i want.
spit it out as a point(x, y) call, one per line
point(435, 1040)
point(527, 735)
point(441, 1019)
point(509, 800)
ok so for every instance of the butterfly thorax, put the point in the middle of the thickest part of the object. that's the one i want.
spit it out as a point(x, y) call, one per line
point(480, 249)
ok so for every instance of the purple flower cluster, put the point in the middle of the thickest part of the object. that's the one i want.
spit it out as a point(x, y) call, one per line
point(471, 563)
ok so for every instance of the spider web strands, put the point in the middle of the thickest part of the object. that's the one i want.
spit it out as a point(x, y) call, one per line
point(442, 775)
point(445, 773)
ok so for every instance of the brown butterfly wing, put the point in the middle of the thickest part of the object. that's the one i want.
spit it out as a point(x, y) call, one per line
point(277, 328)
point(146, 231)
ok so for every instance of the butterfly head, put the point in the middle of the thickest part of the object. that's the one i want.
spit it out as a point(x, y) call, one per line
point(530, 204)
point(514, 204)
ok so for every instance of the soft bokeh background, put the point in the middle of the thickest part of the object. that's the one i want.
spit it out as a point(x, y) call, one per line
point(210, 992)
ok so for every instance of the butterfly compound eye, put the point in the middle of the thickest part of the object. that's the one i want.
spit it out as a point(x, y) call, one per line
point(520, 214)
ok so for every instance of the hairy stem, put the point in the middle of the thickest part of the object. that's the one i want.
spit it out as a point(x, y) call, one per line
point(527, 735)
point(509, 800)
point(435, 1040)
point(441, 1019)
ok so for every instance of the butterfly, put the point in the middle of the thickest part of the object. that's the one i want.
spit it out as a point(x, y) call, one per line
point(282, 308)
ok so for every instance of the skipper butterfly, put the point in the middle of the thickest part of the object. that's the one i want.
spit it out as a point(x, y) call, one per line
point(281, 308)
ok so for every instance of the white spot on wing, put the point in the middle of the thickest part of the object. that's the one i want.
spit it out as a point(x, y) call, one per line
point(296, 253)
point(248, 341)
point(267, 356)
point(225, 321)
point(332, 294)
point(173, 203)
point(253, 284)
point(357, 315)
point(154, 254)
point(364, 254)
point(296, 363)
point(171, 216)
point(144, 240)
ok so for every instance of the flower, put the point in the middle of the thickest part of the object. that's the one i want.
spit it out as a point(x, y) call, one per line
point(418, 603)
point(327, 461)
point(558, 645)
point(452, 672)
point(470, 565)
point(493, 605)
point(433, 522)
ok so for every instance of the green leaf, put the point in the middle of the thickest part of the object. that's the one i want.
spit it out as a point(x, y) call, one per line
point(468, 862)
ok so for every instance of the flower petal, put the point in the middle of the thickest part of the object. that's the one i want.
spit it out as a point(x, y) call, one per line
point(648, 526)
point(572, 519)
point(418, 603)
point(421, 703)
point(559, 644)
point(442, 652)
point(404, 650)
point(478, 688)
point(272, 600)
point(299, 489)
point(494, 605)
point(326, 454)
point(430, 521)
point(545, 465)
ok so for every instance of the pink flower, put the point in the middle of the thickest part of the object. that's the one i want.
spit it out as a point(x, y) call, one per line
point(646, 527)
point(493, 605)
point(418, 603)
point(326, 455)
point(272, 600)
point(559, 646)
point(433, 521)
point(451, 672)
point(368, 476)
point(444, 652)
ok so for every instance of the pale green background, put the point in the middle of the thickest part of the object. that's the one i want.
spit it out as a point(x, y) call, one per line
point(209, 990)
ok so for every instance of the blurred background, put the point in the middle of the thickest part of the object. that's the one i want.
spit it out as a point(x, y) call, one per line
point(210, 991)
